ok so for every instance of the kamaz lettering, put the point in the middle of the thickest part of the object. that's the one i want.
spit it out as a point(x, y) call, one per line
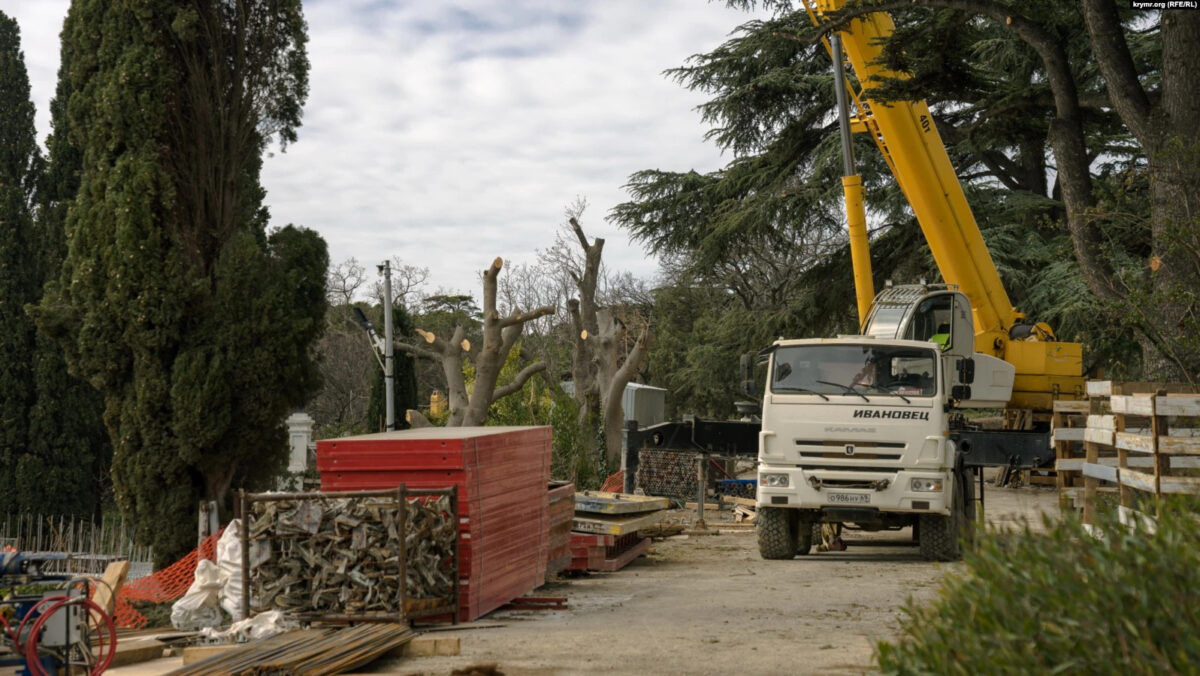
point(892, 415)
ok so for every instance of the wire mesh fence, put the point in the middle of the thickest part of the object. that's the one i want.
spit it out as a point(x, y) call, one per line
point(90, 545)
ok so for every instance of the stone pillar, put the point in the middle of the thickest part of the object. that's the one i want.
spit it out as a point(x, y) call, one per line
point(300, 432)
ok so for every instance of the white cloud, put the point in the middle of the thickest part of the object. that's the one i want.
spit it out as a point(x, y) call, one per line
point(450, 132)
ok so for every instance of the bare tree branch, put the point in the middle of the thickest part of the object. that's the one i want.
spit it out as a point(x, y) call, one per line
point(519, 381)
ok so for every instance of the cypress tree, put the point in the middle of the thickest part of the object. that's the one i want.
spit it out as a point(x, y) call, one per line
point(20, 163)
point(66, 468)
point(194, 322)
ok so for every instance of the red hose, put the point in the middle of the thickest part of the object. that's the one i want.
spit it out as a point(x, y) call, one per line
point(31, 654)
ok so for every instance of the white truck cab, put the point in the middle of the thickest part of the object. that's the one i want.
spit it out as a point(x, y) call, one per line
point(857, 429)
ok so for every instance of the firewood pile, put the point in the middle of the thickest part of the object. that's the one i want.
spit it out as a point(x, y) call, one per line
point(342, 555)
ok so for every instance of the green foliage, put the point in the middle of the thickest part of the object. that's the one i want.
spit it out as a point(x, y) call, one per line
point(404, 383)
point(194, 323)
point(539, 403)
point(20, 167)
point(1063, 601)
point(763, 237)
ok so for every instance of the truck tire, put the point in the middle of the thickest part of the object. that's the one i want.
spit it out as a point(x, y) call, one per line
point(940, 537)
point(776, 529)
point(808, 536)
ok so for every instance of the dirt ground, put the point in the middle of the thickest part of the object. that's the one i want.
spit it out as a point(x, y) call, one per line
point(710, 605)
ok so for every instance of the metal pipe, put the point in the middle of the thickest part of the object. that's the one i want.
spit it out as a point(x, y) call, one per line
point(843, 105)
point(402, 582)
point(245, 538)
point(389, 351)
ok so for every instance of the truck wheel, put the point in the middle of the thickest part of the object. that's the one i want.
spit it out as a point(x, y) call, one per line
point(776, 528)
point(808, 536)
point(940, 536)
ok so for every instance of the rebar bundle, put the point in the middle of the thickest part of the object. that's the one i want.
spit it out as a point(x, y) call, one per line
point(667, 473)
point(306, 652)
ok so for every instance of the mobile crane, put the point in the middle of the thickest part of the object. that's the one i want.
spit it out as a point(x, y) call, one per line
point(867, 430)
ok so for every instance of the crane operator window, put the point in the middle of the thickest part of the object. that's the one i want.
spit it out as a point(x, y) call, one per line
point(932, 321)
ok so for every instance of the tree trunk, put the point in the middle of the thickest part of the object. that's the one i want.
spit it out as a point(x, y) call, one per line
point(500, 335)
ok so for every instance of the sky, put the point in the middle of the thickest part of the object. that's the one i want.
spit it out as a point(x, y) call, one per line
point(449, 132)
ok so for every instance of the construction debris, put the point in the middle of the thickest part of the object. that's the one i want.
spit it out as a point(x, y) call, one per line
point(323, 554)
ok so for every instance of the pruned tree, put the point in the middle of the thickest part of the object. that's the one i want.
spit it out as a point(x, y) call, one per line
point(469, 407)
point(601, 365)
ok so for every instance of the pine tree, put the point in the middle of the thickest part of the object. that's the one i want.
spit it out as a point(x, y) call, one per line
point(193, 321)
point(20, 165)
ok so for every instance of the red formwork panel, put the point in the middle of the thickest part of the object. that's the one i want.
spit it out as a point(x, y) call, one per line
point(562, 517)
point(501, 474)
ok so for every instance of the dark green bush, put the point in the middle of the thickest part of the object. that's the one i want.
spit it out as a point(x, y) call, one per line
point(1063, 601)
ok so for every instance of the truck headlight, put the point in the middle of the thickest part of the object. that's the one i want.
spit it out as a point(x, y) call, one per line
point(775, 480)
point(926, 485)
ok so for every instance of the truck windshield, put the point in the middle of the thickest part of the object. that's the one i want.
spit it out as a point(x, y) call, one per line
point(848, 369)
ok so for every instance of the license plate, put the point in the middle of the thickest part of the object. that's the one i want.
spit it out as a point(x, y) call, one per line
point(850, 498)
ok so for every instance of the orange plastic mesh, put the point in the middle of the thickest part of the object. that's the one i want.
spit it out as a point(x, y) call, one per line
point(167, 584)
point(615, 483)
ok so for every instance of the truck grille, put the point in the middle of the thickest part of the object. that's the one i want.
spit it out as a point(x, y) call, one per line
point(858, 455)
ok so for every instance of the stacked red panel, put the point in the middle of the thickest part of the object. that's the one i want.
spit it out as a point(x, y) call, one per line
point(501, 474)
point(562, 516)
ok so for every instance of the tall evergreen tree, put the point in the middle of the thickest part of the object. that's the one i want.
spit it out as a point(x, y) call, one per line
point(66, 468)
point(193, 321)
point(19, 168)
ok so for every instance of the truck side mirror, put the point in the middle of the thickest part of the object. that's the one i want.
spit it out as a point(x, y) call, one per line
point(746, 369)
point(960, 392)
point(966, 371)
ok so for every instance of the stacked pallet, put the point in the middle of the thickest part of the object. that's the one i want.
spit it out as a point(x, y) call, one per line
point(605, 529)
point(502, 475)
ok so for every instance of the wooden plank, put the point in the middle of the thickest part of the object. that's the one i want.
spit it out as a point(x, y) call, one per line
point(1140, 404)
point(428, 646)
point(1099, 388)
point(105, 593)
point(1138, 443)
point(137, 650)
point(1178, 404)
point(1068, 406)
point(615, 525)
point(1094, 471)
point(1068, 433)
point(745, 502)
point(1090, 483)
point(195, 653)
point(600, 502)
point(1102, 437)
point(1144, 462)
point(1171, 445)
point(1104, 422)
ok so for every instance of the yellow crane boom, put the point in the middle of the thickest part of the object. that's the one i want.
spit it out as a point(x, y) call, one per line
point(905, 133)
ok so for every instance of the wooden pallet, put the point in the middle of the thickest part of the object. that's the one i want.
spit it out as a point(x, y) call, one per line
point(601, 502)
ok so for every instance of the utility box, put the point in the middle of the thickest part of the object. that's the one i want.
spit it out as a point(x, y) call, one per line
point(646, 404)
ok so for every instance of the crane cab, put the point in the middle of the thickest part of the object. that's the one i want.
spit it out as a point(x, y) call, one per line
point(940, 313)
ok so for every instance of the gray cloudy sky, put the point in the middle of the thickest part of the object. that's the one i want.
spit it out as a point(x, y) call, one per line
point(448, 132)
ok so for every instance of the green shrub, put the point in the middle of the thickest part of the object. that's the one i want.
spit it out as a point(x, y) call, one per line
point(1063, 601)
